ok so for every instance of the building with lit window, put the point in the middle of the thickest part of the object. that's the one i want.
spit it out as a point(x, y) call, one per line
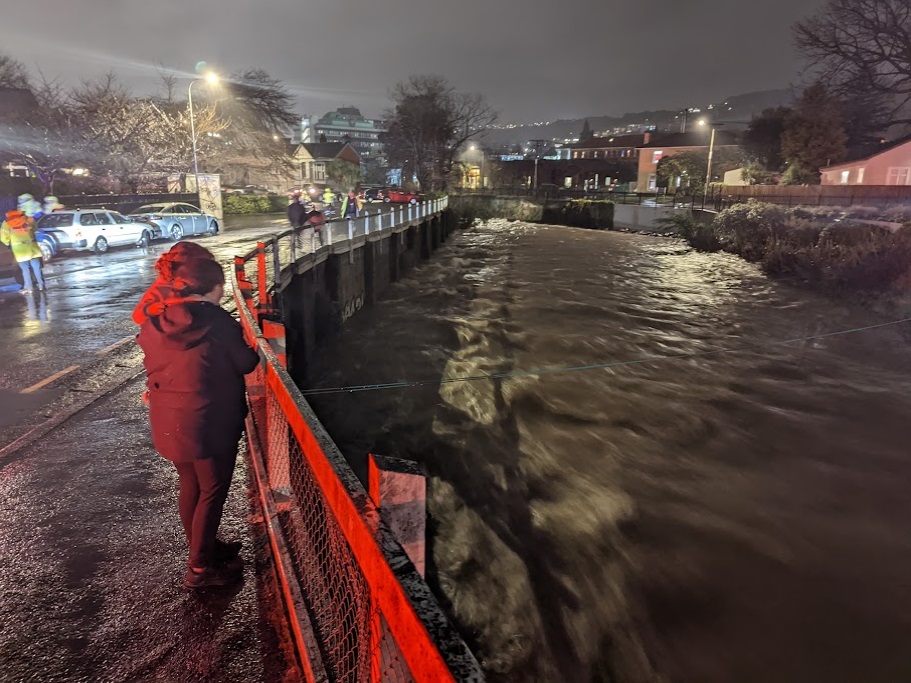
point(609, 147)
point(657, 146)
point(889, 166)
point(346, 124)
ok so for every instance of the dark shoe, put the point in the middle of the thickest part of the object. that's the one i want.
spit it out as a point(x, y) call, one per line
point(217, 575)
point(225, 551)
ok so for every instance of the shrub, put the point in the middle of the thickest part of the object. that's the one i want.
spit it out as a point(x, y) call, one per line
point(698, 234)
point(746, 229)
point(250, 203)
point(585, 213)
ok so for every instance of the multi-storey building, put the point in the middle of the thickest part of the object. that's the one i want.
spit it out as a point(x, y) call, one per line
point(348, 125)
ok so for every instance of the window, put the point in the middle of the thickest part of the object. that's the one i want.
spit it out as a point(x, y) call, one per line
point(88, 219)
point(119, 218)
point(319, 171)
point(56, 220)
point(899, 176)
point(844, 177)
point(656, 157)
point(860, 176)
point(103, 219)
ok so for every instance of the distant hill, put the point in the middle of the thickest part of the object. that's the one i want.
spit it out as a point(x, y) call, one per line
point(739, 108)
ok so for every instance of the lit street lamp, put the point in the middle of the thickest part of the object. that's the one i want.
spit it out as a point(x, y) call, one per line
point(211, 79)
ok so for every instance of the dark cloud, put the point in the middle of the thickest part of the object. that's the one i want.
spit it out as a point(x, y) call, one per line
point(533, 59)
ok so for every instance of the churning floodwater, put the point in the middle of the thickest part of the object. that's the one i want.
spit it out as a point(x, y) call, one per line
point(733, 517)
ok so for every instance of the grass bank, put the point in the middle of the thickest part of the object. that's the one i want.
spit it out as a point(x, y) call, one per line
point(829, 250)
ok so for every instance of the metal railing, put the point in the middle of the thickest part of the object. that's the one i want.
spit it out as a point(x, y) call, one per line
point(359, 611)
point(286, 248)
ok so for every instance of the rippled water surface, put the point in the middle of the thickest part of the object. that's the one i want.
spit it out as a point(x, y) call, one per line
point(730, 517)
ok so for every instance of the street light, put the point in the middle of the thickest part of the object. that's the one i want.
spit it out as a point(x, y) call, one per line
point(212, 79)
point(708, 170)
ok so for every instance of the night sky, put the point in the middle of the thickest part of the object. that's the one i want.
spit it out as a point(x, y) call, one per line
point(533, 59)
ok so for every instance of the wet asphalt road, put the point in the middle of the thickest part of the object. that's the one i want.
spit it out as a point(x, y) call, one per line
point(91, 552)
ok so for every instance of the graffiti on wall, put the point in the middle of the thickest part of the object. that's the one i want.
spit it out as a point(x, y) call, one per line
point(352, 306)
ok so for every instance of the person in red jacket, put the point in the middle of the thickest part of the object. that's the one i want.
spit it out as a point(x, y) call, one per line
point(195, 359)
point(165, 265)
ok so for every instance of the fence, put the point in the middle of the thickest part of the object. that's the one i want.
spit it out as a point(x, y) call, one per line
point(359, 611)
point(819, 195)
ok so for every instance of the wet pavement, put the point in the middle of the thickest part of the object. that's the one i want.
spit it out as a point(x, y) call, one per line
point(91, 551)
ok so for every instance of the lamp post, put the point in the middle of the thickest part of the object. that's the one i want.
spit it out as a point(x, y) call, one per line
point(708, 170)
point(211, 79)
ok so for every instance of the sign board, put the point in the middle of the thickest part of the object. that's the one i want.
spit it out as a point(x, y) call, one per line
point(209, 190)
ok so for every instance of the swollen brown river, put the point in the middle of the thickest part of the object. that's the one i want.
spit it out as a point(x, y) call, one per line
point(730, 517)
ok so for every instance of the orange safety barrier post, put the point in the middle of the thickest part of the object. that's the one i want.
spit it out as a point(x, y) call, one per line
point(398, 488)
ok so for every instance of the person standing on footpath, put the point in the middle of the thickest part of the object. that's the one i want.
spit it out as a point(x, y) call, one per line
point(18, 233)
point(195, 360)
point(317, 221)
point(296, 212)
point(351, 206)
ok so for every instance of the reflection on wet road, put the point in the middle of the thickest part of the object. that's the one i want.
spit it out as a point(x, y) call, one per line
point(88, 303)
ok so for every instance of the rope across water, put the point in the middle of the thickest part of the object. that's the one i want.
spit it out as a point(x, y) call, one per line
point(409, 384)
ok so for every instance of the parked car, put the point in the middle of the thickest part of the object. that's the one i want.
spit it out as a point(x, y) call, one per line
point(401, 197)
point(374, 194)
point(10, 273)
point(176, 220)
point(93, 230)
point(48, 244)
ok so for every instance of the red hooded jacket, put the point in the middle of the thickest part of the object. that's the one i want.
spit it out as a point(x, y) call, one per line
point(195, 358)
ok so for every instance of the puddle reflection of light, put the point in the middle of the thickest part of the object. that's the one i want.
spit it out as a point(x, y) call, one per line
point(37, 314)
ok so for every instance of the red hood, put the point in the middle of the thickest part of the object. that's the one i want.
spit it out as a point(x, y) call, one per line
point(180, 323)
point(15, 219)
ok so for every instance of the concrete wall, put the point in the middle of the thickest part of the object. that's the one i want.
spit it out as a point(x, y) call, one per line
point(486, 207)
point(330, 287)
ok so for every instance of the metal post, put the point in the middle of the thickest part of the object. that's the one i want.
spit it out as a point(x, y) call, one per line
point(350, 230)
point(367, 223)
point(409, 213)
point(708, 171)
point(276, 262)
point(193, 137)
point(328, 233)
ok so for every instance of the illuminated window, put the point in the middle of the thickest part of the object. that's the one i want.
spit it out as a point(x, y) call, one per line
point(899, 176)
point(860, 176)
point(656, 156)
point(845, 176)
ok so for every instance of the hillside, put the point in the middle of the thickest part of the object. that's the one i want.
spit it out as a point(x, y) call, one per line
point(738, 108)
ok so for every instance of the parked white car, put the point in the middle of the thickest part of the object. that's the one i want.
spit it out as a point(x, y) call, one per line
point(176, 220)
point(94, 230)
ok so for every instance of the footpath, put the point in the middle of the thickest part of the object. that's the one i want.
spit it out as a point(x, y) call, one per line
point(92, 558)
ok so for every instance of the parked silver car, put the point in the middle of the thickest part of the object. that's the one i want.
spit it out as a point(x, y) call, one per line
point(93, 230)
point(176, 220)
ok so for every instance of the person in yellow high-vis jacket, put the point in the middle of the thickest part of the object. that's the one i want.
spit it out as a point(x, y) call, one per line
point(18, 233)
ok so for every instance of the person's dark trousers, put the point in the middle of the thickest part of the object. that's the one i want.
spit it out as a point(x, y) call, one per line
point(203, 490)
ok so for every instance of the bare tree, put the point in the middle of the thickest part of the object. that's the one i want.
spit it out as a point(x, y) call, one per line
point(168, 84)
point(13, 73)
point(862, 49)
point(428, 124)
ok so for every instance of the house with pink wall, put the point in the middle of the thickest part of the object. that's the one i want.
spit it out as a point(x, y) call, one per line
point(889, 166)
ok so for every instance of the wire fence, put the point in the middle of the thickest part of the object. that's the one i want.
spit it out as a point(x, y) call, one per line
point(361, 620)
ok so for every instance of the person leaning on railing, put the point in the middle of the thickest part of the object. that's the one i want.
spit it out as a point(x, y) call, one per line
point(195, 359)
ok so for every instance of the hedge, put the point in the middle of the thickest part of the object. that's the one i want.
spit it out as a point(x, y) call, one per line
point(234, 204)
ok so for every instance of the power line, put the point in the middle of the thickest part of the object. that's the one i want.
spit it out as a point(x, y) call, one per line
point(406, 384)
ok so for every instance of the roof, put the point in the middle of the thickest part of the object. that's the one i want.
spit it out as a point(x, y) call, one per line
point(692, 139)
point(610, 142)
point(887, 147)
point(325, 150)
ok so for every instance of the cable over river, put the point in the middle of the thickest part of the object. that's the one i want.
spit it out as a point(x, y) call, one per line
point(727, 517)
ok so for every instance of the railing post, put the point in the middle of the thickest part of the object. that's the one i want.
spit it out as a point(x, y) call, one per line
point(261, 273)
point(328, 233)
point(409, 213)
point(367, 223)
point(276, 262)
point(350, 230)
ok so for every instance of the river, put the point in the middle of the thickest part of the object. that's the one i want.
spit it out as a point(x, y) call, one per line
point(734, 516)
